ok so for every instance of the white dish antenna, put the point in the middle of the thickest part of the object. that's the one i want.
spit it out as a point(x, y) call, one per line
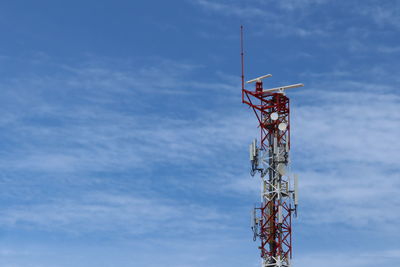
point(258, 79)
point(282, 126)
point(274, 116)
point(282, 88)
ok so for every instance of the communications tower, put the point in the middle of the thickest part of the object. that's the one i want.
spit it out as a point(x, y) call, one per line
point(269, 157)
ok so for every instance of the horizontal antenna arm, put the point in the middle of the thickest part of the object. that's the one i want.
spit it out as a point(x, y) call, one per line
point(258, 79)
point(284, 87)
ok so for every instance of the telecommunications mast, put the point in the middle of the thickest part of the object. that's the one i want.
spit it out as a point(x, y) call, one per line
point(272, 220)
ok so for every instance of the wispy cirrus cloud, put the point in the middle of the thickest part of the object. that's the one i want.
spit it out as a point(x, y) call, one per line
point(77, 134)
point(78, 138)
point(269, 15)
point(364, 259)
point(96, 139)
point(74, 121)
point(105, 212)
point(232, 8)
point(346, 151)
point(383, 13)
point(345, 148)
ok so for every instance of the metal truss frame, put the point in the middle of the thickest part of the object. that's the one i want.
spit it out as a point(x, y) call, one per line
point(274, 214)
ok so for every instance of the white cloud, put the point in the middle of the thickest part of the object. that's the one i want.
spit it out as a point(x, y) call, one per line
point(337, 148)
point(389, 49)
point(102, 212)
point(64, 136)
point(353, 259)
point(299, 4)
point(283, 21)
point(345, 148)
point(232, 8)
point(78, 127)
point(353, 126)
point(383, 13)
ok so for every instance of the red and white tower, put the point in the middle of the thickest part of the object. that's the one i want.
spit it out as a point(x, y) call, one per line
point(272, 220)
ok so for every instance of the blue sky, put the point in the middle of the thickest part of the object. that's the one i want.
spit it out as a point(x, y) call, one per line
point(124, 142)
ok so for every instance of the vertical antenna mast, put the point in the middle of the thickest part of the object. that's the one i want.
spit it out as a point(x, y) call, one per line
point(242, 54)
point(272, 220)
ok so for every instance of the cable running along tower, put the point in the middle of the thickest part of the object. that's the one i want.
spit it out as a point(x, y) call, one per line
point(272, 220)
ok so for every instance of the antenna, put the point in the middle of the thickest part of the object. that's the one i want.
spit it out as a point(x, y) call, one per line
point(258, 79)
point(280, 89)
point(296, 190)
point(242, 54)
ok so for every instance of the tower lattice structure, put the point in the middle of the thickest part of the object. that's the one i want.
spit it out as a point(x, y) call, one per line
point(272, 220)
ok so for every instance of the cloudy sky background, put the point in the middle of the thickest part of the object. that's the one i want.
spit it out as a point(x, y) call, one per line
point(124, 142)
